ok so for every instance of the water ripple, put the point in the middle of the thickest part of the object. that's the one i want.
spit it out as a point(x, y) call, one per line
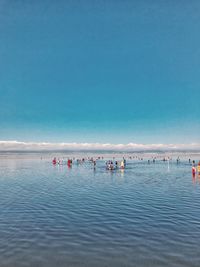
point(146, 215)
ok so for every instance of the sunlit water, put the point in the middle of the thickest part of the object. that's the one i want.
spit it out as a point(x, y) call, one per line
point(146, 215)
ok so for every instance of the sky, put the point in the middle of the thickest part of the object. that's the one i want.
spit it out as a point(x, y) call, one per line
point(100, 71)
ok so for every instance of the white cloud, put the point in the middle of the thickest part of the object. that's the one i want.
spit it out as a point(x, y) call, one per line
point(37, 146)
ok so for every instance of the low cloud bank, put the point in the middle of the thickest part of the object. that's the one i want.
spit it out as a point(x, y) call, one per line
point(45, 146)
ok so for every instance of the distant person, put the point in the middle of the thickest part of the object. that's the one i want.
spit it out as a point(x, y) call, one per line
point(111, 165)
point(122, 164)
point(69, 163)
point(193, 171)
point(198, 168)
point(116, 164)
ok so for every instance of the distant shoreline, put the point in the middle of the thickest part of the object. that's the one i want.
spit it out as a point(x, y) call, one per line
point(102, 151)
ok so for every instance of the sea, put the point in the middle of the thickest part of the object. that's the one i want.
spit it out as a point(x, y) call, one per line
point(87, 216)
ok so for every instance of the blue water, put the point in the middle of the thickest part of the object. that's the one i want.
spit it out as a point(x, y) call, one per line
point(146, 215)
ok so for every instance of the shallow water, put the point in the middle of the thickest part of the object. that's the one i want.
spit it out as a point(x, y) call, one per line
point(146, 215)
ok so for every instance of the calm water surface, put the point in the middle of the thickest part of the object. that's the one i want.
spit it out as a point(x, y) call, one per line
point(146, 215)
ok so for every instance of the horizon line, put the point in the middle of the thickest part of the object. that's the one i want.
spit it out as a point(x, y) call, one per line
point(13, 145)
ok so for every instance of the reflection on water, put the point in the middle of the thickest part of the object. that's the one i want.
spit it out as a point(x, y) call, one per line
point(145, 215)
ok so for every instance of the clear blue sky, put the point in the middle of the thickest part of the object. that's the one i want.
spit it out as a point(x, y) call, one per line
point(100, 71)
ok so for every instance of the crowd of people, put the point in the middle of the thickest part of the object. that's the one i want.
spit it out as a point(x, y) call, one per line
point(115, 164)
point(61, 162)
point(110, 165)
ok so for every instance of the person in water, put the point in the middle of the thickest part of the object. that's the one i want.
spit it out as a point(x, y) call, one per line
point(198, 168)
point(116, 164)
point(193, 171)
point(122, 164)
point(124, 160)
point(94, 162)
